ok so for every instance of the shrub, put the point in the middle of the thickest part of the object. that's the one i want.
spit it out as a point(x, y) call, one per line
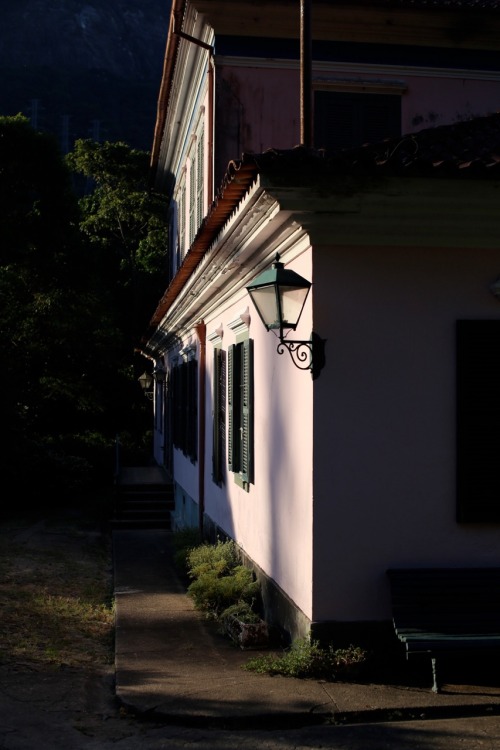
point(214, 592)
point(243, 611)
point(220, 558)
point(219, 579)
point(306, 658)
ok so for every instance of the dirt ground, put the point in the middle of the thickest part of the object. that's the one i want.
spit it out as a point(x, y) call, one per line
point(56, 680)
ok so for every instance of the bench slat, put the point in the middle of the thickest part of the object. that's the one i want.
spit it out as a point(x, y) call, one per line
point(446, 610)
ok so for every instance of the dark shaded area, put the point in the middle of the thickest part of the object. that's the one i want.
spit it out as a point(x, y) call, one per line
point(83, 71)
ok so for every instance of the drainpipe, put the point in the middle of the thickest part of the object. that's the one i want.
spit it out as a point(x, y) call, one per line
point(305, 74)
point(201, 332)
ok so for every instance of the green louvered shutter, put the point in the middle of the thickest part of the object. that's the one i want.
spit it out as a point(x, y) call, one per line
point(219, 435)
point(230, 407)
point(246, 466)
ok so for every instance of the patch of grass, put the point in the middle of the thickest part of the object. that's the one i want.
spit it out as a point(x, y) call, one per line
point(56, 593)
point(306, 659)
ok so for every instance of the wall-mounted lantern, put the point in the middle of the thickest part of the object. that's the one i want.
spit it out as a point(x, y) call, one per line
point(279, 295)
point(146, 383)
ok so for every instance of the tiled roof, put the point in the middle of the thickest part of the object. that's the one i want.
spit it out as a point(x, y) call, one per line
point(464, 150)
point(467, 149)
point(450, 4)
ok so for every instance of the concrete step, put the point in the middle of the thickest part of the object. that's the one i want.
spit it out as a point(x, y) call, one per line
point(143, 500)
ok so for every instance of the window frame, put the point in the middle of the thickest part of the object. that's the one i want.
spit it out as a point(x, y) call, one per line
point(346, 116)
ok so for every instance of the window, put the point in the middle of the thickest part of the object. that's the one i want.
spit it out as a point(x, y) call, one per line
point(200, 179)
point(240, 410)
point(185, 407)
point(196, 181)
point(219, 416)
point(348, 119)
point(192, 200)
point(478, 420)
point(181, 224)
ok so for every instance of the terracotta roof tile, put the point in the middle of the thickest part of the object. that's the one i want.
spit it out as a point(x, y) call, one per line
point(470, 149)
point(450, 4)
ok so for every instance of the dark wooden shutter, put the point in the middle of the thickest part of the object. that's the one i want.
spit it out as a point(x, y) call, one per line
point(176, 407)
point(183, 398)
point(219, 412)
point(478, 420)
point(192, 405)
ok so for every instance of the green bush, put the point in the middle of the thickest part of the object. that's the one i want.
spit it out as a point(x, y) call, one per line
point(219, 579)
point(307, 659)
point(214, 592)
point(220, 558)
point(243, 611)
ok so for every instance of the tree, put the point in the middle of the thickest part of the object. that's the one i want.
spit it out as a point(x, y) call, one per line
point(126, 221)
point(46, 301)
point(67, 382)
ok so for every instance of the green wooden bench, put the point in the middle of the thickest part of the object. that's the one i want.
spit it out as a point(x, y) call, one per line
point(446, 611)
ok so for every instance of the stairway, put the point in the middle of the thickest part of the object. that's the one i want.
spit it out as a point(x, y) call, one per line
point(144, 499)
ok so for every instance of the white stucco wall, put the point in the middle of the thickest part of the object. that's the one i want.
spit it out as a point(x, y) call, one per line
point(273, 521)
point(384, 419)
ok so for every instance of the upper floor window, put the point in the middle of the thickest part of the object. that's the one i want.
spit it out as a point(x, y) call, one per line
point(345, 119)
point(180, 197)
point(196, 158)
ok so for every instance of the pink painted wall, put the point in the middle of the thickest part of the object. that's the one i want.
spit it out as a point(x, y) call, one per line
point(268, 101)
point(384, 419)
point(273, 521)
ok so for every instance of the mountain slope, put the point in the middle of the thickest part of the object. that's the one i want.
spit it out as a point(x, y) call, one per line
point(84, 70)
